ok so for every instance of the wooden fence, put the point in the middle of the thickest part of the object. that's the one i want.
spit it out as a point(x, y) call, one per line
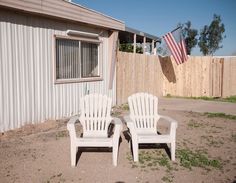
point(229, 77)
point(199, 76)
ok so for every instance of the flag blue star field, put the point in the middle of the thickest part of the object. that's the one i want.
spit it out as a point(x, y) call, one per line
point(173, 44)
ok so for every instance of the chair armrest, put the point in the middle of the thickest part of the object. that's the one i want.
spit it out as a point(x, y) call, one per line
point(171, 120)
point(130, 125)
point(127, 118)
point(173, 124)
point(116, 121)
point(129, 122)
point(118, 127)
point(71, 126)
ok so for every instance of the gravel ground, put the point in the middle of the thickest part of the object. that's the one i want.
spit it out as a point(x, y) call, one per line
point(206, 152)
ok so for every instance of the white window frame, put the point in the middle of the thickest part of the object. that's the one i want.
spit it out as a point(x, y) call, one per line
point(84, 79)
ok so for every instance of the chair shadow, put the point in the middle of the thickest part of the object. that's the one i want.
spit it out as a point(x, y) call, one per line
point(127, 135)
point(167, 68)
point(125, 132)
point(156, 146)
point(91, 149)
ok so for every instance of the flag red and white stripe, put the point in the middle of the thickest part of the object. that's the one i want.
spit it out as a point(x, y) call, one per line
point(177, 47)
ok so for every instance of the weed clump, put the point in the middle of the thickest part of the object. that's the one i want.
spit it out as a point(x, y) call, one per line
point(189, 159)
point(220, 115)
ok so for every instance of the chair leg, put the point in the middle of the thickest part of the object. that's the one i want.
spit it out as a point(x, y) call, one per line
point(73, 152)
point(135, 150)
point(115, 154)
point(172, 149)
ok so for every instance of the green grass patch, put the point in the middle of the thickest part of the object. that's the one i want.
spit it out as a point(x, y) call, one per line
point(204, 98)
point(167, 179)
point(233, 136)
point(125, 107)
point(168, 95)
point(219, 115)
point(151, 159)
point(115, 113)
point(189, 159)
point(61, 134)
point(231, 99)
point(155, 159)
point(213, 141)
point(119, 109)
point(194, 124)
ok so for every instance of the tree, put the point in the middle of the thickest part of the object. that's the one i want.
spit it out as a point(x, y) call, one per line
point(128, 47)
point(234, 53)
point(211, 36)
point(189, 36)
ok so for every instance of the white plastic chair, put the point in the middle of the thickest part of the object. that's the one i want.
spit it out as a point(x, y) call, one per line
point(142, 123)
point(95, 119)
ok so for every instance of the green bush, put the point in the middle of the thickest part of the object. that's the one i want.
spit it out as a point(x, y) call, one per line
point(128, 47)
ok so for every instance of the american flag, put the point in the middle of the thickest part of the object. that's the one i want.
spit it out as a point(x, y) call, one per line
point(176, 45)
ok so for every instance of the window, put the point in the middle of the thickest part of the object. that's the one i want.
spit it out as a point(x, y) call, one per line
point(77, 60)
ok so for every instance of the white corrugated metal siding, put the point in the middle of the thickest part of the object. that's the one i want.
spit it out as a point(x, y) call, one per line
point(27, 90)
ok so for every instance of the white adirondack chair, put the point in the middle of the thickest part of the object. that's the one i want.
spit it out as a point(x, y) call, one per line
point(142, 123)
point(95, 119)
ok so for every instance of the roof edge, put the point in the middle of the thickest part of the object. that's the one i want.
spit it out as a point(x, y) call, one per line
point(86, 8)
point(141, 33)
point(64, 10)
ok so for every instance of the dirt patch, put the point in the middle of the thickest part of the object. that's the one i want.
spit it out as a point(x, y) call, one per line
point(40, 153)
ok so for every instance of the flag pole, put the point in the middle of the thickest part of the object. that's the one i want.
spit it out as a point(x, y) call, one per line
point(175, 29)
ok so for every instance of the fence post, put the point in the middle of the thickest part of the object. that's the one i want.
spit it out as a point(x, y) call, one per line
point(222, 76)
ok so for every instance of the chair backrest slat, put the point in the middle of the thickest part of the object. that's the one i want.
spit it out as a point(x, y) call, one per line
point(95, 115)
point(144, 110)
point(135, 110)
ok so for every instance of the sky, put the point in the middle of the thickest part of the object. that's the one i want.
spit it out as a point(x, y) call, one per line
point(158, 17)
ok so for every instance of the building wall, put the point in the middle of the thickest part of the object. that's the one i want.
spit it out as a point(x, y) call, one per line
point(27, 90)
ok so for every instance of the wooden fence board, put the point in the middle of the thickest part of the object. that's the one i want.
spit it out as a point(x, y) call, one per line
point(229, 77)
